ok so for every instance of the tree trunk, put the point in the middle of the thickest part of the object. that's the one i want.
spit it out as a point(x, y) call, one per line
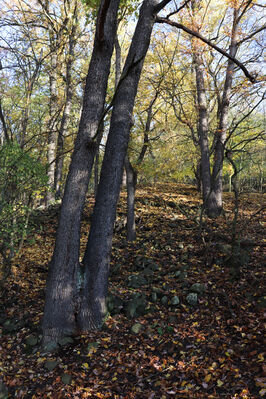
point(51, 151)
point(67, 107)
point(98, 250)
point(64, 278)
point(131, 189)
point(203, 127)
point(216, 194)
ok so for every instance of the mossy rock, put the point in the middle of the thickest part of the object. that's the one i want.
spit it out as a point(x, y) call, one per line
point(66, 379)
point(50, 364)
point(198, 288)
point(136, 328)
point(136, 281)
point(114, 304)
point(32, 340)
point(164, 300)
point(175, 300)
point(3, 391)
point(192, 298)
point(136, 306)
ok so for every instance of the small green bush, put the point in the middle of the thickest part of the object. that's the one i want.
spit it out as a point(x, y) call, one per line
point(22, 180)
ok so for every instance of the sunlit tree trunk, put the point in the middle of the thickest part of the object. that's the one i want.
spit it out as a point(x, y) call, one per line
point(64, 278)
point(68, 104)
point(216, 194)
point(203, 129)
point(98, 250)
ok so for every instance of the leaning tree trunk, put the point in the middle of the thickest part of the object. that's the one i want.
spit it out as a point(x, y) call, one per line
point(67, 107)
point(64, 273)
point(216, 194)
point(98, 250)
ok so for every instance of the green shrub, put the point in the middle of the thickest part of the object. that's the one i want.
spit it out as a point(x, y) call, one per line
point(22, 180)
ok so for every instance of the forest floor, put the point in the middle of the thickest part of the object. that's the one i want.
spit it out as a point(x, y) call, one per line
point(165, 337)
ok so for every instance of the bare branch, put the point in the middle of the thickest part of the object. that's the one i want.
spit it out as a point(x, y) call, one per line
point(193, 33)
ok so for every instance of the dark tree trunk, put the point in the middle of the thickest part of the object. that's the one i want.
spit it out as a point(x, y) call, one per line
point(98, 250)
point(64, 276)
point(131, 189)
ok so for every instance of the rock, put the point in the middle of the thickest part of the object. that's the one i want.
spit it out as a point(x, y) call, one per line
point(136, 306)
point(192, 298)
point(136, 281)
point(157, 290)
point(31, 340)
point(154, 297)
point(180, 245)
point(164, 300)
point(175, 300)
point(262, 302)
point(9, 326)
point(114, 304)
point(198, 288)
point(66, 378)
point(3, 391)
point(136, 328)
point(50, 364)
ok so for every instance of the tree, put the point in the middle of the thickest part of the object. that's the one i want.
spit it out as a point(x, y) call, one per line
point(62, 302)
point(61, 312)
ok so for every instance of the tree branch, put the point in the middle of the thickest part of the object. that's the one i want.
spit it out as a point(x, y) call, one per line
point(193, 33)
point(161, 5)
point(252, 34)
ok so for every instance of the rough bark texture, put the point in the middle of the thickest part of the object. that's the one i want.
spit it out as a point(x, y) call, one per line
point(203, 128)
point(64, 272)
point(52, 136)
point(67, 107)
point(98, 250)
point(216, 201)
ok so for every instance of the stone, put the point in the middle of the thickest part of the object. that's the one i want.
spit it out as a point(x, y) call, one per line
point(164, 300)
point(154, 297)
point(66, 378)
point(136, 281)
point(136, 328)
point(31, 340)
point(198, 288)
point(50, 364)
point(192, 298)
point(114, 304)
point(136, 306)
point(3, 391)
point(175, 300)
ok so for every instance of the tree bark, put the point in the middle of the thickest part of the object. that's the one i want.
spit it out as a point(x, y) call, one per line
point(51, 151)
point(65, 274)
point(203, 128)
point(97, 255)
point(67, 107)
point(216, 200)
